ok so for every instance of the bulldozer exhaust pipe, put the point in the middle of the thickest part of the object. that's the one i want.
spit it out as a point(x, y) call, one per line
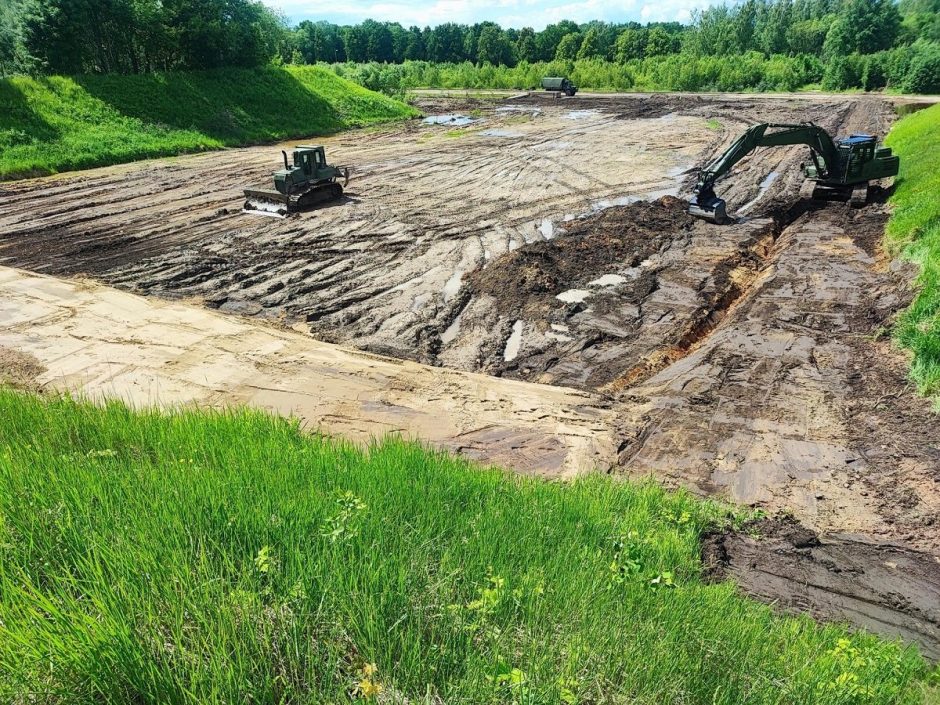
point(286, 167)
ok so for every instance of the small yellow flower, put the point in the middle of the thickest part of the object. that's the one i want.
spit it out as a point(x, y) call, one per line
point(369, 688)
point(369, 670)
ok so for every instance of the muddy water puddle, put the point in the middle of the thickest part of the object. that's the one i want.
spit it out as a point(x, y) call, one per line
point(450, 120)
point(763, 187)
point(514, 343)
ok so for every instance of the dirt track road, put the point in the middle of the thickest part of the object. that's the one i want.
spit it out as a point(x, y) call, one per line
point(81, 336)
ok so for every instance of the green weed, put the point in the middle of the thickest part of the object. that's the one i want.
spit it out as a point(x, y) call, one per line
point(55, 123)
point(225, 557)
point(914, 232)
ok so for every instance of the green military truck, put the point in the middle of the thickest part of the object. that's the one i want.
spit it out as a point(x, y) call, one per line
point(559, 84)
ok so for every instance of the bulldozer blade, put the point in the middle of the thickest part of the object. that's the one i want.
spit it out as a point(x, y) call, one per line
point(271, 209)
point(712, 210)
point(272, 204)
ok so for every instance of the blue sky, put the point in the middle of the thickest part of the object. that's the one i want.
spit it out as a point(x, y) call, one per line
point(508, 13)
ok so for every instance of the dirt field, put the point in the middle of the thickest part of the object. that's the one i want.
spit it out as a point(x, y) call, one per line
point(544, 243)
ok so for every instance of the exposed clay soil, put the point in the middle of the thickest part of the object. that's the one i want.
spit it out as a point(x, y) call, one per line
point(545, 243)
point(886, 588)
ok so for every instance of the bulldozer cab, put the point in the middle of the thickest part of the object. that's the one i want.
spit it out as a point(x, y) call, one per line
point(309, 159)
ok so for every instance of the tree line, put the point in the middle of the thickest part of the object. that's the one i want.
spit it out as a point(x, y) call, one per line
point(855, 43)
point(137, 36)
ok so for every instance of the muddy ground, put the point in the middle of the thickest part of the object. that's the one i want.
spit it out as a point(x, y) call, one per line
point(545, 242)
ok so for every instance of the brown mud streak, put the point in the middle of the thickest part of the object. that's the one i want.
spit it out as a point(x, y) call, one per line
point(887, 589)
point(733, 280)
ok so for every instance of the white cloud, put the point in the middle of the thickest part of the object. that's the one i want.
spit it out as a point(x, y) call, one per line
point(508, 13)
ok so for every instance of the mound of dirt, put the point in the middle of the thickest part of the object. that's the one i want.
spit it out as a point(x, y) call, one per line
point(528, 279)
point(19, 369)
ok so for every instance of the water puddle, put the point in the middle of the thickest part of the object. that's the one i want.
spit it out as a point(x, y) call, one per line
point(902, 109)
point(519, 109)
point(501, 133)
point(547, 228)
point(580, 114)
point(559, 332)
point(608, 280)
point(453, 285)
point(453, 329)
point(420, 302)
point(606, 203)
point(450, 120)
point(573, 296)
point(514, 343)
point(764, 185)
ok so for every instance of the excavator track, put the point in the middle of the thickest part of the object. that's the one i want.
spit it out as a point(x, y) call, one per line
point(859, 195)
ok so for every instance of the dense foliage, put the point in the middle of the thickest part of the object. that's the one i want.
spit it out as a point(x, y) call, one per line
point(914, 229)
point(839, 44)
point(54, 123)
point(209, 558)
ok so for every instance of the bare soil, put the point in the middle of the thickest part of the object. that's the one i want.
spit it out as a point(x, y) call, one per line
point(548, 242)
point(885, 588)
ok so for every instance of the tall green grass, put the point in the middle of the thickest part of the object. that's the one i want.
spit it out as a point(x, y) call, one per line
point(914, 230)
point(59, 123)
point(228, 558)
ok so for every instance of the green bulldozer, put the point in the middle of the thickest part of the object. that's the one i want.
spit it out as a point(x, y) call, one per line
point(839, 169)
point(309, 181)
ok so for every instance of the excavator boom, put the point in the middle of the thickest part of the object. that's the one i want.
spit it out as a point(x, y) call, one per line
point(705, 204)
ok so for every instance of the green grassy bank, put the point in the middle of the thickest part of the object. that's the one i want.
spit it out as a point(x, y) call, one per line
point(228, 558)
point(914, 231)
point(60, 123)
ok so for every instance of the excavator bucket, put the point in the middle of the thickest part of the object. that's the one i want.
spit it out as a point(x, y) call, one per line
point(710, 209)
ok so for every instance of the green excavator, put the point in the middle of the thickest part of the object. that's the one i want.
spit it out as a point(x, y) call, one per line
point(310, 180)
point(839, 169)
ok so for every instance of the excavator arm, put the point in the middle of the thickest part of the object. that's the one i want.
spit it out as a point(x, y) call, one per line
point(705, 204)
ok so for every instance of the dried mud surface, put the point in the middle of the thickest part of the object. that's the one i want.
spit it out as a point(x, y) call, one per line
point(545, 243)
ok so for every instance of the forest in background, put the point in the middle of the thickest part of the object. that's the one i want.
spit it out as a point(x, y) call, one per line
point(755, 44)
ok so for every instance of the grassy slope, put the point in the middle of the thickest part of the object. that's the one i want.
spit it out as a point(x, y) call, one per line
point(210, 558)
point(57, 123)
point(914, 229)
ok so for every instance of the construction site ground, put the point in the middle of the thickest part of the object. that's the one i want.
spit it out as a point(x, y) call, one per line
point(519, 281)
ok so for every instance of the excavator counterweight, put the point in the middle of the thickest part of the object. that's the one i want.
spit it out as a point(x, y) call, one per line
point(839, 168)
